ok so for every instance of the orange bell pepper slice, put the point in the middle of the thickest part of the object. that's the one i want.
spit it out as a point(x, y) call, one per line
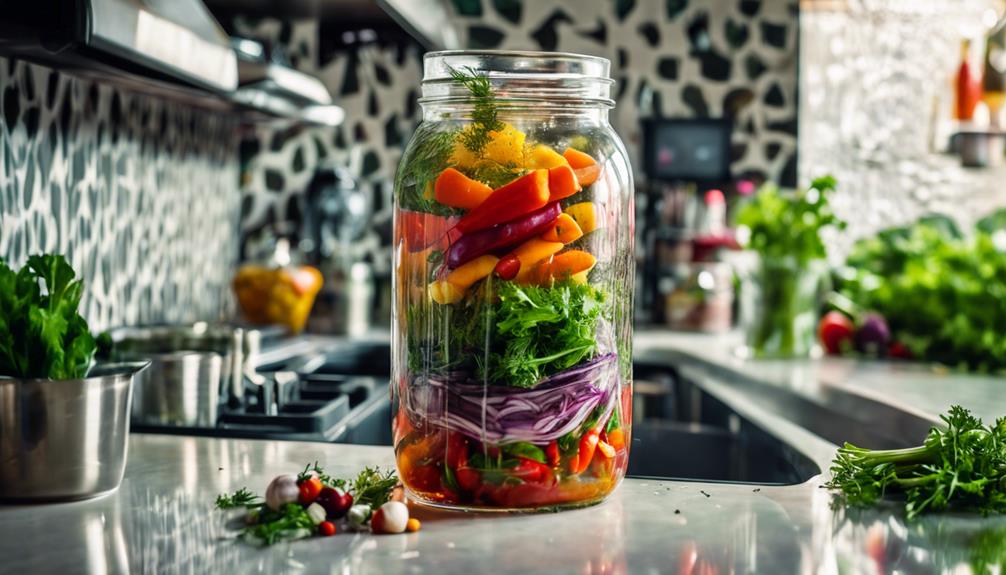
point(457, 190)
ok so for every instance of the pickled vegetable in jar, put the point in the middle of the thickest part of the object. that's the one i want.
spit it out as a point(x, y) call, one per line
point(512, 320)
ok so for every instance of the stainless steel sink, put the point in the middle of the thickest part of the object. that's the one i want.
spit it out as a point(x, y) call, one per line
point(683, 432)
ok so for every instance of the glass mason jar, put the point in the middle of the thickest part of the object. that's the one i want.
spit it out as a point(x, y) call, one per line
point(512, 320)
point(780, 303)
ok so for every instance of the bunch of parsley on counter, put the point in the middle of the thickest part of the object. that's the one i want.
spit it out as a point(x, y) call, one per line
point(41, 333)
point(962, 467)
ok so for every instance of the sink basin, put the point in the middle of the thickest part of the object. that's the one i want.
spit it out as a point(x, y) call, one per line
point(682, 432)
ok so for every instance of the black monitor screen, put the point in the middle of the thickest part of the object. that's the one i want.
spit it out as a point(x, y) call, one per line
point(687, 150)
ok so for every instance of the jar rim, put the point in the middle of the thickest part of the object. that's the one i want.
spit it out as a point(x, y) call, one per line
point(521, 75)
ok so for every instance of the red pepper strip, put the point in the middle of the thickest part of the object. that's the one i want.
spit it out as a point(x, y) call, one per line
point(552, 453)
point(421, 230)
point(530, 470)
point(457, 451)
point(521, 196)
point(588, 443)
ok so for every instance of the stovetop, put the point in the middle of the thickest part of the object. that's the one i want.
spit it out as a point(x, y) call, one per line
point(334, 393)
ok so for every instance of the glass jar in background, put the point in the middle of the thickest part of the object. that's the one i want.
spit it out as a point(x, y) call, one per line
point(702, 298)
point(780, 302)
point(512, 320)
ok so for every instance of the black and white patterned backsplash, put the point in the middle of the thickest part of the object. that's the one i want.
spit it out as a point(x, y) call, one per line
point(140, 194)
point(671, 58)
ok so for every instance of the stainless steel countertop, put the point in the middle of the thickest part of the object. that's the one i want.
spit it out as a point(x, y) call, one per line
point(162, 518)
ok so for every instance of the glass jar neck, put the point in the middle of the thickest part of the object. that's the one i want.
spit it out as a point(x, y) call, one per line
point(522, 84)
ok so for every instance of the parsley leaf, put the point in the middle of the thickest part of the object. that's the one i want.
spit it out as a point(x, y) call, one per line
point(41, 334)
point(962, 466)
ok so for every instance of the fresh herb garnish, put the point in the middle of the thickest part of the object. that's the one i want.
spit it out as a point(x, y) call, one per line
point(291, 522)
point(426, 156)
point(42, 335)
point(241, 498)
point(543, 330)
point(373, 487)
point(962, 466)
point(484, 111)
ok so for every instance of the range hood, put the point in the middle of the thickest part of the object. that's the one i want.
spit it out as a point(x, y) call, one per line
point(173, 40)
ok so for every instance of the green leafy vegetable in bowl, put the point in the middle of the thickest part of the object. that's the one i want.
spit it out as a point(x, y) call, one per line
point(961, 467)
point(41, 333)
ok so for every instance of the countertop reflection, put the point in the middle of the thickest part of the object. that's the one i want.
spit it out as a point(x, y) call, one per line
point(161, 520)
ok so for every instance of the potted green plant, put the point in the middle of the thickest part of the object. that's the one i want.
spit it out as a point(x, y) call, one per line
point(781, 292)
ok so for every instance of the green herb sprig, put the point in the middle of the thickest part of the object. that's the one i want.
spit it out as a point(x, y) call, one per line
point(962, 466)
point(240, 498)
point(373, 487)
point(485, 113)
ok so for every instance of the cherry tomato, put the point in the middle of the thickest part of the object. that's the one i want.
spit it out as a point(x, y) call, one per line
point(898, 350)
point(507, 267)
point(326, 528)
point(309, 489)
point(835, 332)
point(468, 478)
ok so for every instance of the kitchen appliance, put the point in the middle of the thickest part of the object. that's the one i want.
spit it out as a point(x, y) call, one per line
point(338, 214)
point(192, 368)
point(65, 439)
point(305, 390)
point(173, 40)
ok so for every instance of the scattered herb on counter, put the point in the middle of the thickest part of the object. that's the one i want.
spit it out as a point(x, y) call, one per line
point(41, 334)
point(372, 487)
point(240, 498)
point(313, 502)
point(960, 467)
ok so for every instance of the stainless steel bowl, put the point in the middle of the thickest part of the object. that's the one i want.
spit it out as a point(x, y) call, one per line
point(180, 388)
point(65, 439)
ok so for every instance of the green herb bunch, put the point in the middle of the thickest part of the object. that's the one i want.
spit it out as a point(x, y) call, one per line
point(943, 294)
point(962, 466)
point(789, 225)
point(41, 333)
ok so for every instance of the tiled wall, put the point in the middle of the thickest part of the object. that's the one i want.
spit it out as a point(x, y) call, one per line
point(875, 98)
point(672, 58)
point(141, 194)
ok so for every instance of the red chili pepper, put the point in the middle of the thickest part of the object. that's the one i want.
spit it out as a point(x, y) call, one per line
point(468, 478)
point(588, 443)
point(457, 450)
point(552, 453)
point(521, 196)
point(309, 490)
point(507, 267)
